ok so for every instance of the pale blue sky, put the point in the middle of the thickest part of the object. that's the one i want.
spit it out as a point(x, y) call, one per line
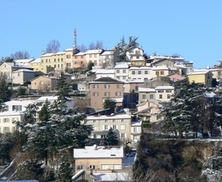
point(190, 28)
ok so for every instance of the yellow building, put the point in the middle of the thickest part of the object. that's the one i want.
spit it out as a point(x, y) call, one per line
point(204, 77)
point(38, 66)
point(54, 60)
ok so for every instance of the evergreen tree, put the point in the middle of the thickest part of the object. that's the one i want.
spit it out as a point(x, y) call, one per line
point(111, 138)
point(5, 93)
point(109, 104)
point(65, 171)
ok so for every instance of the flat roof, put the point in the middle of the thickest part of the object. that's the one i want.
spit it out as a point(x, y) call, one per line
point(140, 89)
point(117, 116)
point(98, 152)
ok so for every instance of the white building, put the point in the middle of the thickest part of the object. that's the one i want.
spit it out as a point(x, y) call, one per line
point(141, 73)
point(122, 71)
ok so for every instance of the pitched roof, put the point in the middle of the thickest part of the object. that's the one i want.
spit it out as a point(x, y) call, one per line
point(105, 80)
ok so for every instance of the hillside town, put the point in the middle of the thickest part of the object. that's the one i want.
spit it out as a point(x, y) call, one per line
point(86, 115)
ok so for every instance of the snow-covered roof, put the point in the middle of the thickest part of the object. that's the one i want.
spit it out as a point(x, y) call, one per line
point(24, 70)
point(115, 99)
point(164, 88)
point(49, 98)
point(69, 49)
point(38, 60)
point(94, 51)
point(210, 94)
point(161, 68)
point(107, 52)
point(140, 68)
point(105, 71)
point(98, 152)
point(136, 81)
point(198, 72)
point(140, 89)
point(121, 65)
point(47, 54)
point(112, 176)
point(137, 123)
point(102, 117)
point(61, 52)
point(20, 102)
point(80, 54)
point(11, 113)
point(24, 60)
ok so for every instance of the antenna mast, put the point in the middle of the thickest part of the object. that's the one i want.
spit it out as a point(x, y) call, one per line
point(75, 41)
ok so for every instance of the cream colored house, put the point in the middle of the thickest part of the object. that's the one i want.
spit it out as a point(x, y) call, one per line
point(108, 58)
point(96, 159)
point(6, 120)
point(142, 73)
point(22, 75)
point(159, 93)
point(44, 83)
point(121, 71)
point(93, 56)
point(120, 123)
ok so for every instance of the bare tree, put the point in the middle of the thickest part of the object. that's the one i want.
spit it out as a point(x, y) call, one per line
point(53, 46)
point(92, 46)
point(99, 44)
point(82, 48)
point(20, 55)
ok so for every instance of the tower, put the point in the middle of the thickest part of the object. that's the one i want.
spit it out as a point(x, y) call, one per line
point(75, 41)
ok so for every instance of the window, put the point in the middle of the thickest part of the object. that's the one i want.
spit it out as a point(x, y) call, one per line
point(68, 56)
point(106, 94)
point(79, 167)
point(54, 60)
point(168, 96)
point(6, 120)
point(117, 71)
point(135, 129)
point(139, 72)
point(133, 72)
point(17, 108)
point(105, 167)
point(162, 73)
point(118, 77)
point(116, 166)
point(117, 86)
point(168, 91)
point(106, 127)
point(61, 59)
point(92, 167)
point(95, 86)
point(160, 91)
point(151, 96)
point(144, 96)
point(118, 93)
point(160, 96)
point(106, 86)
point(146, 72)
point(122, 135)
point(90, 55)
point(124, 77)
point(157, 73)
point(6, 130)
point(14, 119)
point(124, 71)
point(95, 55)
point(122, 127)
point(136, 88)
point(114, 127)
point(145, 79)
point(95, 94)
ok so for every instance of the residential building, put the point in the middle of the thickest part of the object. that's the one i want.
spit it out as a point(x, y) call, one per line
point(79, 60)
point(23, 62)
point(134, 55)
point(7, 68)
point(136, 130)
point(104, 73)
point(38, 66)
point(120, 123)
point(158, 71)
point(104, 88)
point(7, 119)
point(98, 159)
point(175, 77)
point(44, 83)
point(93, 56)
point(22, 76)
point(109, 58)
point(55, 60)
point(204, 77)
point(159, 93)
point(121, 71)
point(143, 73)
point(17, 105)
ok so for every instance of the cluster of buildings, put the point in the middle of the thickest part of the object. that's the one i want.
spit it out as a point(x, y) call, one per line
point(137, 85)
